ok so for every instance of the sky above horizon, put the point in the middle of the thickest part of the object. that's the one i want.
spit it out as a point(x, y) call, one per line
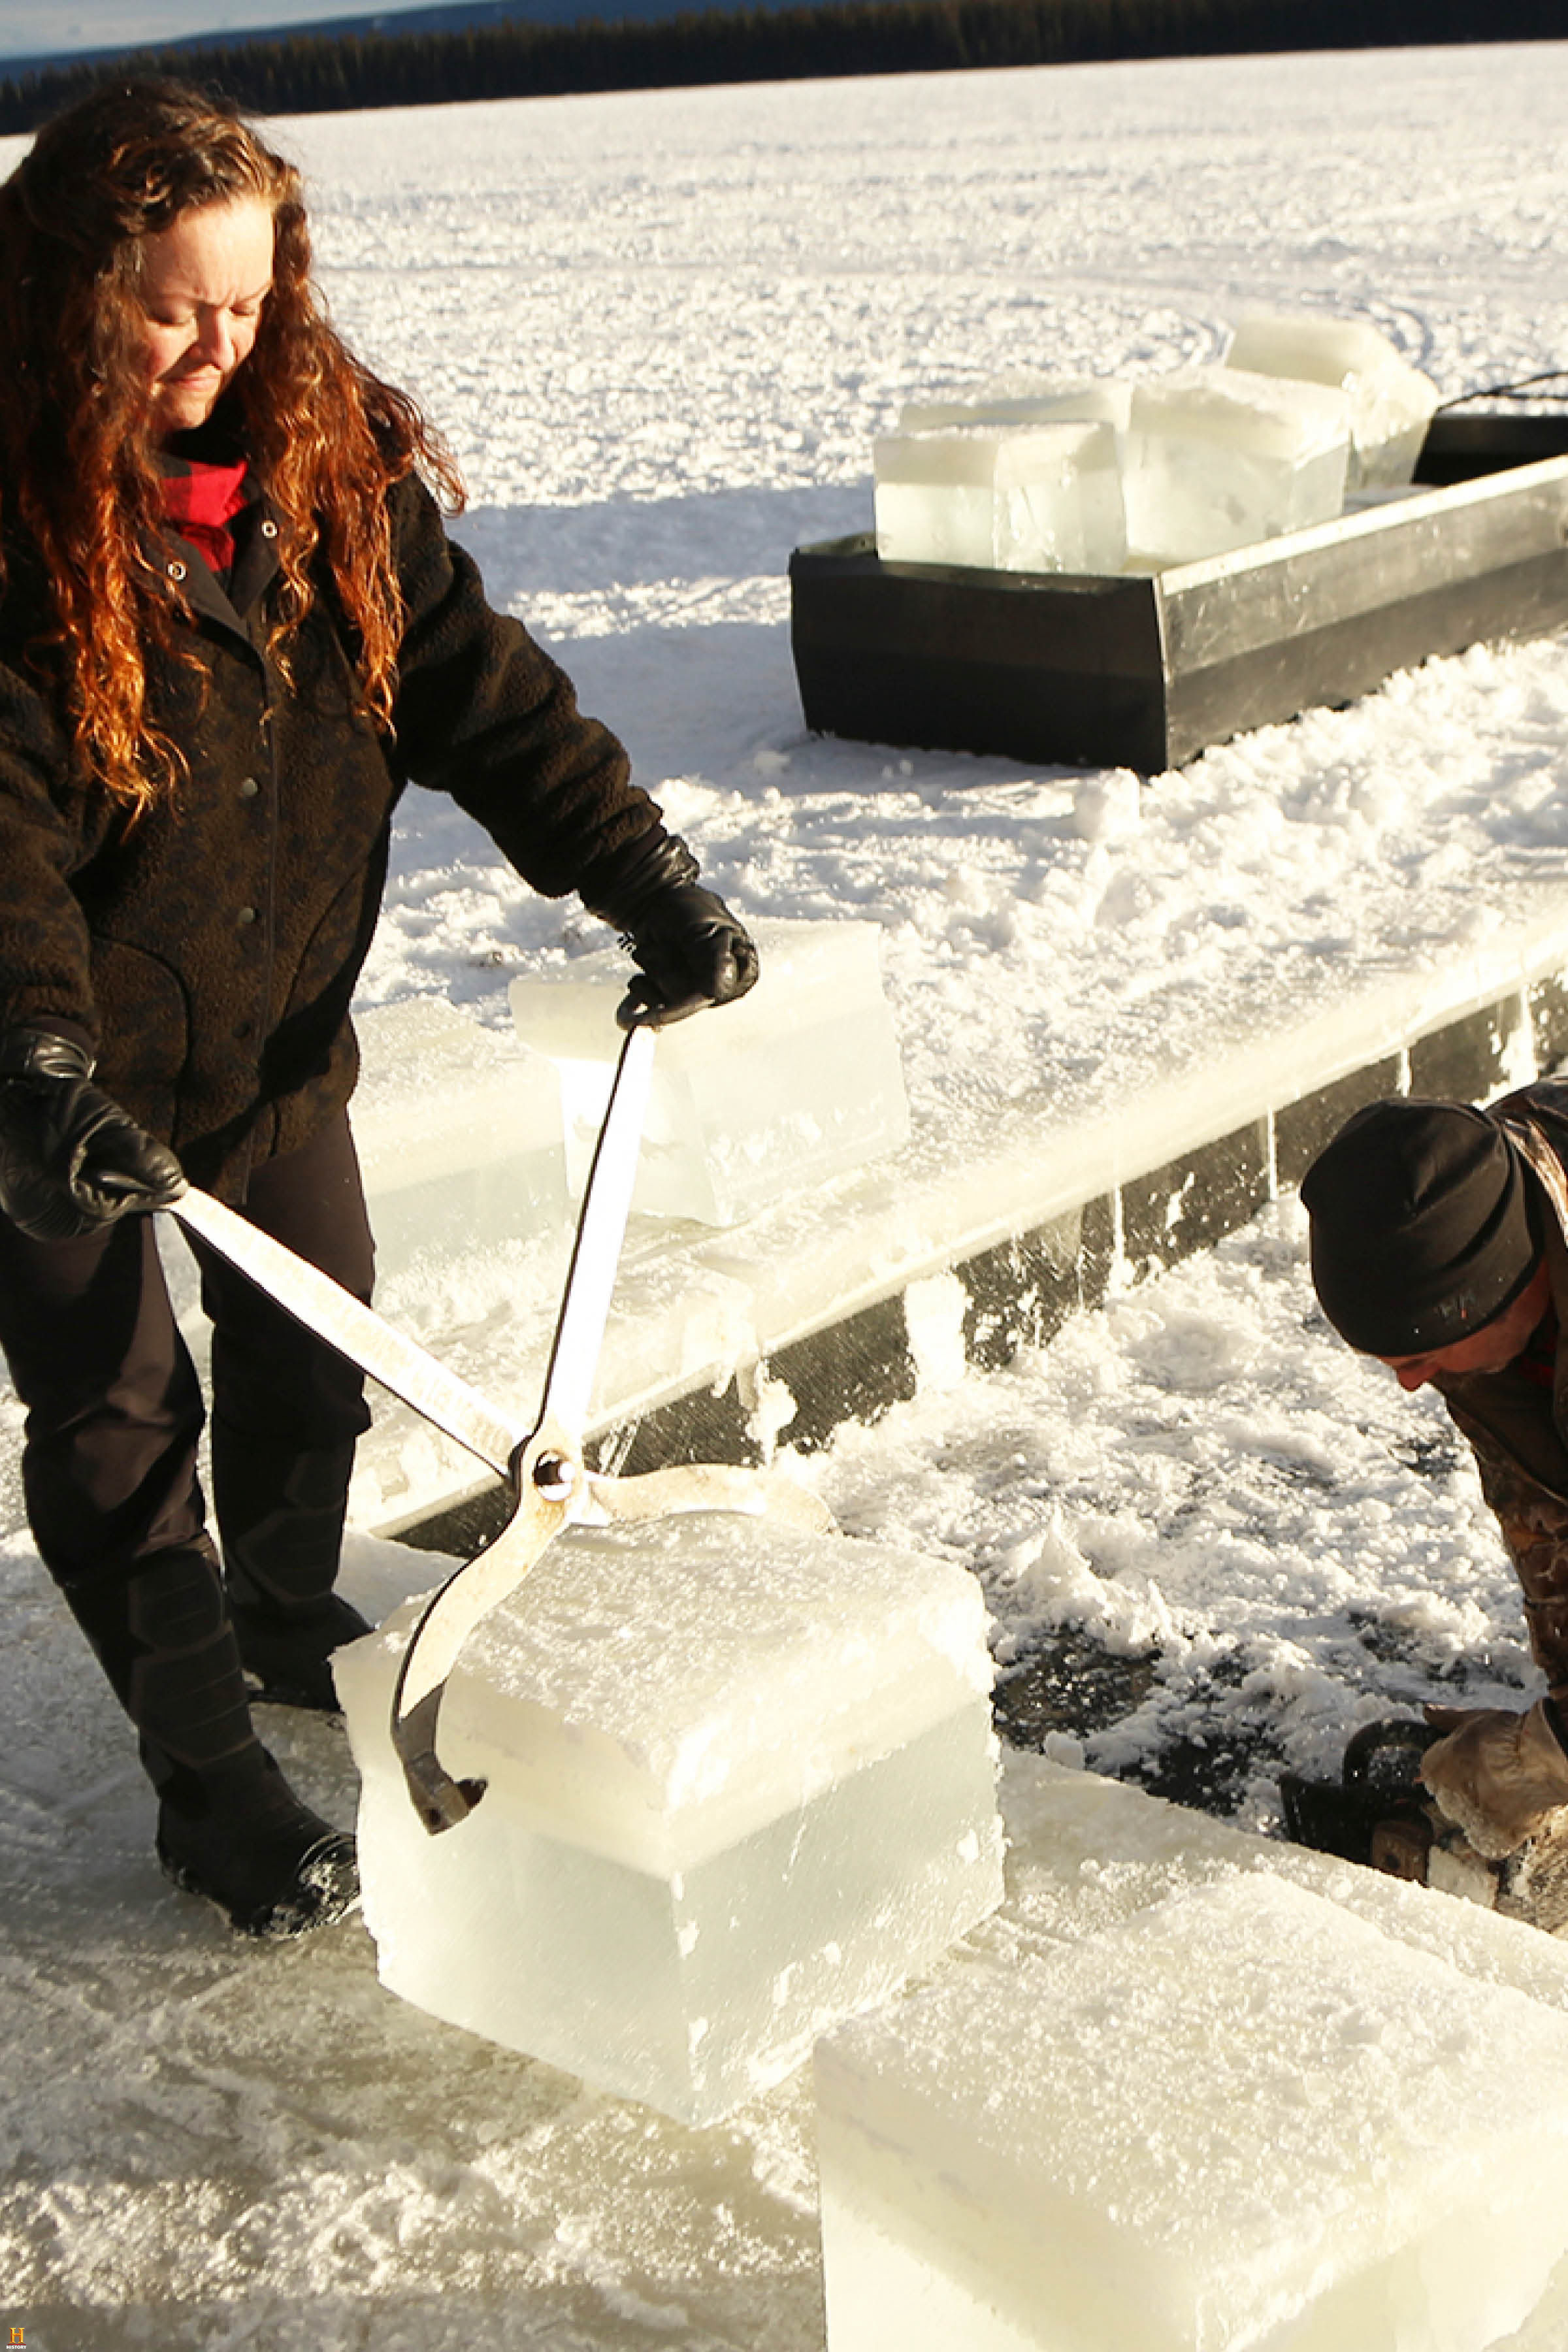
point(30, 28)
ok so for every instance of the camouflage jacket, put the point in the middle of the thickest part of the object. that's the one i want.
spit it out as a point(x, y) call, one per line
point(1517, 1428)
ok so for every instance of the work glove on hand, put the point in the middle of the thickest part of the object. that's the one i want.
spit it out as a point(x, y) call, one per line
point(693, 952)
point(1496, 1774)
point(71, 1161)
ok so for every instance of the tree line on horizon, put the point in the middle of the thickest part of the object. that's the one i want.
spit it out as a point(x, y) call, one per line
point(311, 74)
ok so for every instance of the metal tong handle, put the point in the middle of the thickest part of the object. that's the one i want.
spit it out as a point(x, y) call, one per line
point(356, 1331)
point(546, 1471)
point(597, 1245)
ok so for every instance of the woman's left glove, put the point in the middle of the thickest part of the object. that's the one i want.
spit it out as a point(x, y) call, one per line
point(71, 1161)
point(693, 949)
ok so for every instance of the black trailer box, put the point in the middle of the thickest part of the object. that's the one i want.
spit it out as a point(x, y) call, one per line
point(1143, 672)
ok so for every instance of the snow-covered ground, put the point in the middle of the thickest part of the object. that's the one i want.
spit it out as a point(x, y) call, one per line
point(661, 330)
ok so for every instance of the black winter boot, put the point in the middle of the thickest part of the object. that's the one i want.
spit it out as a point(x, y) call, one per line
point(229, 1826)
point(281, 1514)
point(239, 1836)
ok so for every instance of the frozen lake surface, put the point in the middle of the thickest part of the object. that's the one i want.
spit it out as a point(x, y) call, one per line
point(661, 330)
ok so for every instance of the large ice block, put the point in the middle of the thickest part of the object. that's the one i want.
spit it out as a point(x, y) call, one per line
point(741, 1783)
point(1218, 457)
point(1391, 402)
point(1004, 497)
point(462, 1147)
point(797, 1082)
point(1026, 400)
point(1242, 2121)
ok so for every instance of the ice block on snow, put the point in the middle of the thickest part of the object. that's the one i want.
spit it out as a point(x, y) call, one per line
point(1241, 2121)
point(798, 1082)
point(741, 1784)
point(461, 1145)
point(1006, 498)
point(1391, 402)
point(1218, 457)
point(1025, 400)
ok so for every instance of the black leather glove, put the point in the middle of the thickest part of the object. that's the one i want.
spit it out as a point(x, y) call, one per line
point(71, 1161)
point(693, 952)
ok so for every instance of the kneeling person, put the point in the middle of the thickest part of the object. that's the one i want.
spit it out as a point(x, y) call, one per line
point(1439, 1245)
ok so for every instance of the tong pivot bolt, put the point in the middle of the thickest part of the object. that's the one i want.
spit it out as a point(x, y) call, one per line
point(552, 1476)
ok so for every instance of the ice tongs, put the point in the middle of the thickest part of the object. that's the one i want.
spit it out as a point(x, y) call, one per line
point(542, 1465)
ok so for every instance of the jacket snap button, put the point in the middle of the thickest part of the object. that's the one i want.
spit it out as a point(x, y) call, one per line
point(250, 789)
point(246, 915)
point(176, 570)
point(268, 530)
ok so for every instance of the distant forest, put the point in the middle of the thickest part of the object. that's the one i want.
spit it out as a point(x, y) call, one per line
point(311, 74)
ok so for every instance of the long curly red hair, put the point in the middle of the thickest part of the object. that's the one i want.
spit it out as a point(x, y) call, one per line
point(78, 447)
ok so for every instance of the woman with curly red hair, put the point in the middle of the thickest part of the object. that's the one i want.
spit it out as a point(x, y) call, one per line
point(233, 630)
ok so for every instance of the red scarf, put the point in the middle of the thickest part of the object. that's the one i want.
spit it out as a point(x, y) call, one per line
point(201, 503)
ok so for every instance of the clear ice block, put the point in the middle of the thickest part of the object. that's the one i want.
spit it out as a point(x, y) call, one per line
point(1243, 2117)
point(742, 1783)
point(798, 1082)
point(1004, 497)
point(1391, 402)
point(1218, 458)
point(461, 1145)
point(1026, 400)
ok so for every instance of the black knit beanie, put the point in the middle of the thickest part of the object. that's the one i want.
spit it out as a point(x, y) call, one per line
point(1424, 1226)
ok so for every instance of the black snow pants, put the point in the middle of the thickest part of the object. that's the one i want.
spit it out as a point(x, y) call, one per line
point(115, 1418)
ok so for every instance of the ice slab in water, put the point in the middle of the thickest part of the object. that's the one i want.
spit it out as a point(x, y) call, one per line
point(1391, 402)
point(742, 1783)
point(1241, 2119)
point(751, 1102)
point(1218, 459)
point(1004, 498)
point(1025, 400)
point(461, 1145)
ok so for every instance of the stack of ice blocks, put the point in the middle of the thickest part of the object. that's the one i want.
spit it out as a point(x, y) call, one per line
point(1043, 497)
point(461, 1149)
point(741, 1785)
point(1391, 402)
point(797, 1082)
point(1241, 2119)
point(1218, 457)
